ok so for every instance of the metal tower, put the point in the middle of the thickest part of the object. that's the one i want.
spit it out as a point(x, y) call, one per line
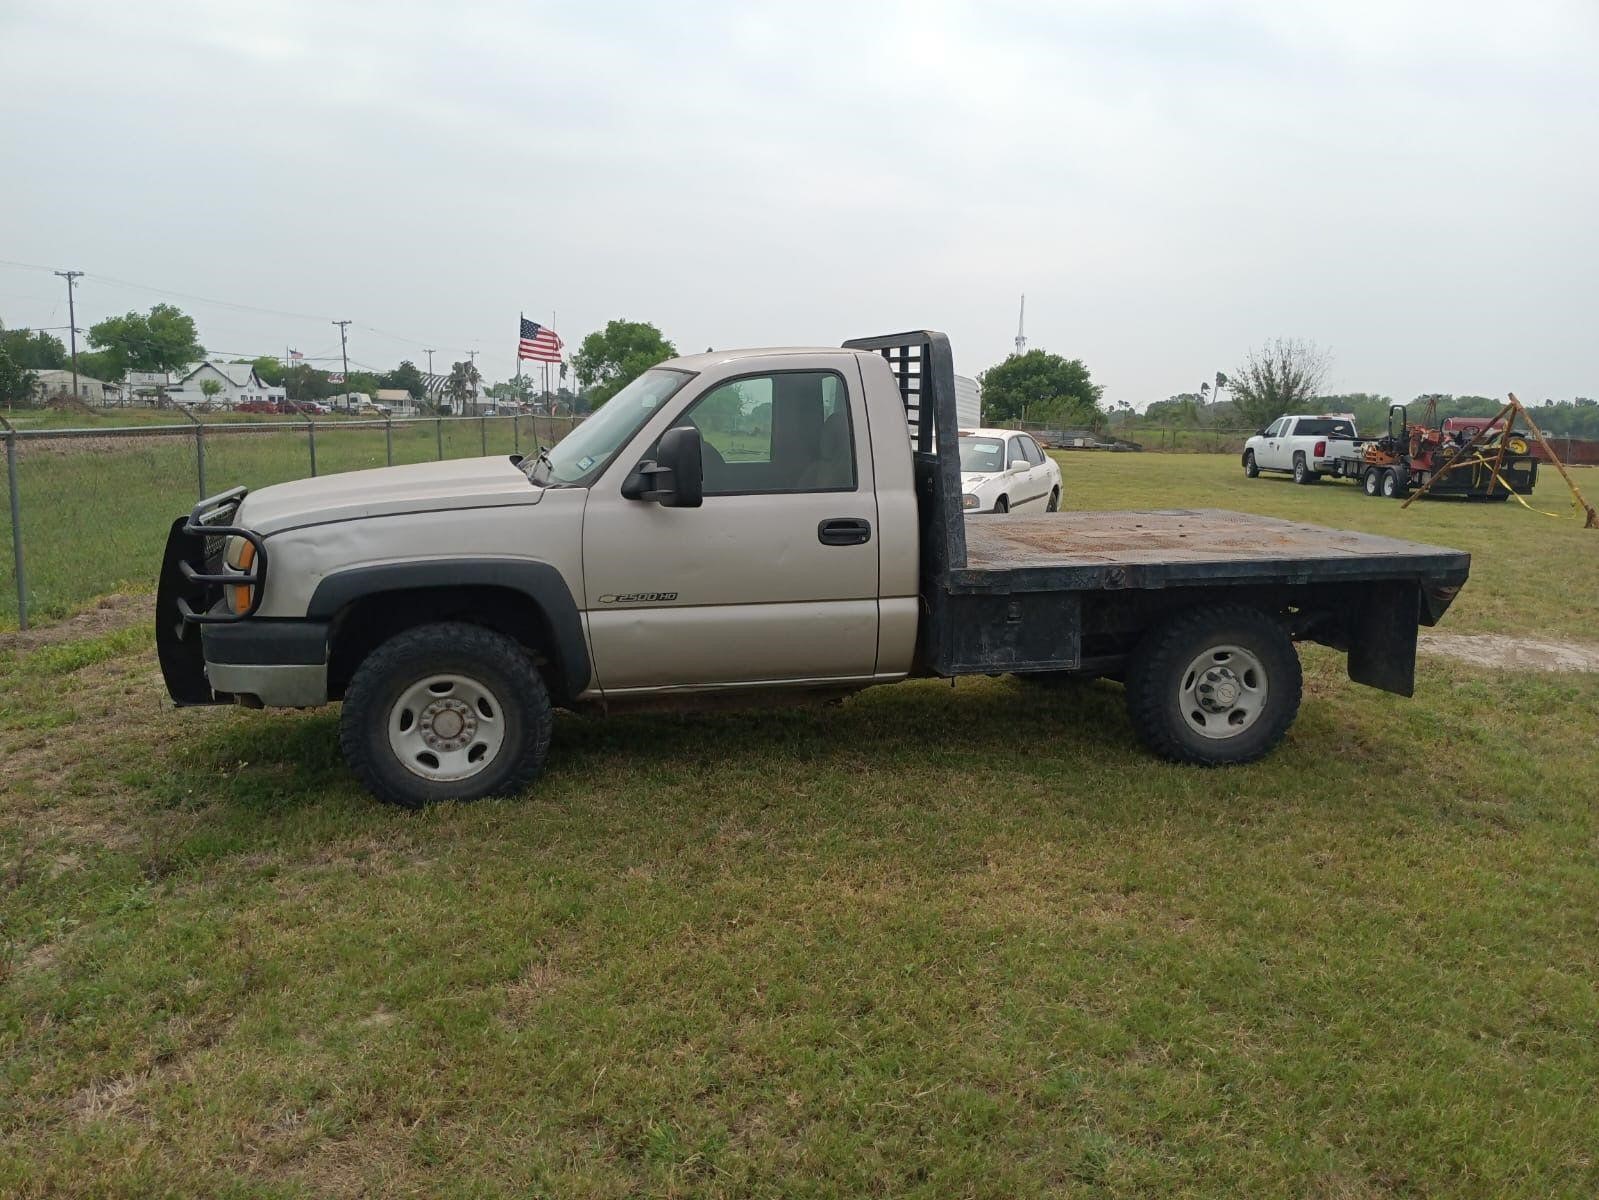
point(1021, 317)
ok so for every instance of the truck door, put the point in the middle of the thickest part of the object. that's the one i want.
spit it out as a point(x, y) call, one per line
point(774, 577)
point(1274, 454)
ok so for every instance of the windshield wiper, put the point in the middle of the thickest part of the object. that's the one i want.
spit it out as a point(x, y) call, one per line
point(543, 457)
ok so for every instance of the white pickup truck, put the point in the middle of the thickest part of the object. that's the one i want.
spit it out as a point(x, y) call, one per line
point(743, 526)
point(1306, 447)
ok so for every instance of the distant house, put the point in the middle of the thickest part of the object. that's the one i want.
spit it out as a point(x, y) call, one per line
point(397, 400)
point(238, 381)
point(53, 383)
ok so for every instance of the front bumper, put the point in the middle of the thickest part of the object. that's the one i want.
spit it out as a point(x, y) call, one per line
point(208, 653)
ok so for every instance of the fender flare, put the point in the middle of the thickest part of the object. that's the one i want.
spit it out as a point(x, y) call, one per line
point(541, 583)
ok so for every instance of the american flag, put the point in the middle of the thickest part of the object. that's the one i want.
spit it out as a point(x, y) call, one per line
point(296, 356)
point(539, 342)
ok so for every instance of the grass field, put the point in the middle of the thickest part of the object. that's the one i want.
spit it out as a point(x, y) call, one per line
point(933, 942)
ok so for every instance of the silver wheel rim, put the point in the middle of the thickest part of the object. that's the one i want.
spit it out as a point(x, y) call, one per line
point(446, 728)
point(1223, 691)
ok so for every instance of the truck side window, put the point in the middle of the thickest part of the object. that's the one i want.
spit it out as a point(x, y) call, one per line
point(785, 432)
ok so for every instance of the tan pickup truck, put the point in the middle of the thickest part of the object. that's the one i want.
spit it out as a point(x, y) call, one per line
point(751, 524)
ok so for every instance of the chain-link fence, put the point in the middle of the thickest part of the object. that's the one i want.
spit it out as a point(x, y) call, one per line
point(89, 508)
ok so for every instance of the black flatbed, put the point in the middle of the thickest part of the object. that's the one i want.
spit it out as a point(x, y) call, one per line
point(1184, 546)
point(1076, 592)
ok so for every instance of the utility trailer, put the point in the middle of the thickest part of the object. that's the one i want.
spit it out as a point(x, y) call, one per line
point(1412, 456)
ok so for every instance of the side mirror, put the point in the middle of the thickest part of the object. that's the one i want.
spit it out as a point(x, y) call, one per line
point(1021, 463)
point(674, 478)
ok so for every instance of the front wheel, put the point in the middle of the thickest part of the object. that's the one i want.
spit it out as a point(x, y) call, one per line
point(1002, 505)
point(1372, 483)
point(1251, 468)
point(448, 711)
point(1214, 686)
point(1054, 501)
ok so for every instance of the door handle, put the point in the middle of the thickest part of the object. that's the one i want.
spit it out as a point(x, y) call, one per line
point(844, 531)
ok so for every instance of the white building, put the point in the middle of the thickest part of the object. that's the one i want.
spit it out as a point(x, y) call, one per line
point(53, 383)
point(238, 381)
point(397, 400)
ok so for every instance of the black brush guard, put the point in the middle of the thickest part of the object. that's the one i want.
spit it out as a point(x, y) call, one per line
point(190, 592)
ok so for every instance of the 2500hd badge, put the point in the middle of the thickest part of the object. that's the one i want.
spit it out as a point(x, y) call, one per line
point(638, 598)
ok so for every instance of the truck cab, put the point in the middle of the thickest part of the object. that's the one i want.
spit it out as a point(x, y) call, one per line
point(737, 527)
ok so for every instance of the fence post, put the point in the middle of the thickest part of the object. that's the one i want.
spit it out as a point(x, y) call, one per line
point(199, 446)
point(516, 434)
point(310, 430)
point(388, 438)
point(16, 524)
point(483, 433)
point(438, 431)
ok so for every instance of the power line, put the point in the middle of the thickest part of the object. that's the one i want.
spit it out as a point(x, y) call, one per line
point(212, 300)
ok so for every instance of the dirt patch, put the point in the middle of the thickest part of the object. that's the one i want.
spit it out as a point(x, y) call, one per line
point(1516, 653)
point(109, 614)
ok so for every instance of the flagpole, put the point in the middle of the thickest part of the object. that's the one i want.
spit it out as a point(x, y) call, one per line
point(520, 317)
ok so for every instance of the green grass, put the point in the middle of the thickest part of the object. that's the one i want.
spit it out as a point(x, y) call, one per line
point(932, 942)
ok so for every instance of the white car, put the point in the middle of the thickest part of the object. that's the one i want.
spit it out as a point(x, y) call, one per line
point(1003, 470)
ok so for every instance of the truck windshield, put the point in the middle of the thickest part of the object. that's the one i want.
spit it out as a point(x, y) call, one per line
point(586, 450)
point(982, 456)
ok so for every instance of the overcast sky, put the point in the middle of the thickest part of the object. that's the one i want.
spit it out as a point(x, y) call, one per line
point(1413, 186)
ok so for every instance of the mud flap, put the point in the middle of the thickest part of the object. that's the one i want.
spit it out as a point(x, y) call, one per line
point(1382, 638)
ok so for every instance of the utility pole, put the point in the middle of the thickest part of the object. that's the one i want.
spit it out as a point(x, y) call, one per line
point(344, 353)
point(72, 324)
point(1021, 317)
point(471, 357)
point(429, 353)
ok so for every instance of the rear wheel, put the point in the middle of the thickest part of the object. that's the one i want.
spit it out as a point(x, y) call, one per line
point(1372, 483)
point(1302, 471)
point(1214, 686)
point(1251, 469)
point(1393, 488)
point(448, 711)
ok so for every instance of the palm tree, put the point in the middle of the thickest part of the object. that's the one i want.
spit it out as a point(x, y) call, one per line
point(461, 386)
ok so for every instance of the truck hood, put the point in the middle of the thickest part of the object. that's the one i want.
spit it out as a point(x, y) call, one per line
point(424, 487)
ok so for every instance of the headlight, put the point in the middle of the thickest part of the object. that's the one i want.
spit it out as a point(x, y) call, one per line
point(968, 501)
point(239, 553)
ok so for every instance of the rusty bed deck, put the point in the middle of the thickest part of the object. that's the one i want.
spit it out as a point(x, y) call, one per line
point(1169, 546)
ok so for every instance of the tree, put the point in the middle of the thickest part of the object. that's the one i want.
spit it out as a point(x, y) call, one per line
point(33, 349)
point(304, 382)
point(518, 388)
point(461, 386)
point(161, 340)
point(17, 383)
point(1283, 375)
point(1044, 386)
point(408, 377)
point(612, 358)
point(270, 370)
point(210, 389)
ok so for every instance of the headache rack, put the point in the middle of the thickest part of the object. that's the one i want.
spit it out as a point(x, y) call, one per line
point(924, 368)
